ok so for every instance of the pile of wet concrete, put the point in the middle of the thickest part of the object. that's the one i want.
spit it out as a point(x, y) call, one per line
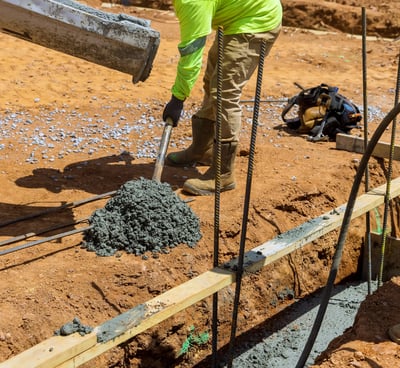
point(144, 216)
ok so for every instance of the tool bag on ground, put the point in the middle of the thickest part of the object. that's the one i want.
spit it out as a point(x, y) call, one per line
point(322, 113)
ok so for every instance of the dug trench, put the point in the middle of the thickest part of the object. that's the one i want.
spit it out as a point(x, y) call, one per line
point(92, 131)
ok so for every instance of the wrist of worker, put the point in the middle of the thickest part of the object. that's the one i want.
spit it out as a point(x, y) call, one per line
point(173, 110)
point(176, 100)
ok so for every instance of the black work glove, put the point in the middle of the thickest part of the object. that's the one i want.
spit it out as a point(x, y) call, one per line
point(173, 110)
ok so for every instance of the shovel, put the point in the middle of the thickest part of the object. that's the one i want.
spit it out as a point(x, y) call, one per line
point(162, 150)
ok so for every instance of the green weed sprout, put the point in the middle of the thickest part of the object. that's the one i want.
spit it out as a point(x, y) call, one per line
point(192, 340)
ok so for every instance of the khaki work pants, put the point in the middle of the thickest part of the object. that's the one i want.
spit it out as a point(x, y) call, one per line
point(240, 60)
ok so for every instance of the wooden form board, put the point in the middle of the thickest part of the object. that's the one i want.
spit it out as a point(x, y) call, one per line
point(74, 350)
point(356, 144)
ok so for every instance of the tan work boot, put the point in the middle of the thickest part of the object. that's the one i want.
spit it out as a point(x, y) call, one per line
point(394, 333)
point(205, 184)
point(200, 151)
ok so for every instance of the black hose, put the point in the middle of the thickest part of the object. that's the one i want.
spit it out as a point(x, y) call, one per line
point(343, 233)
point(388, 180)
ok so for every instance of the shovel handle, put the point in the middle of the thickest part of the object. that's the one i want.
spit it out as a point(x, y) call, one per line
point(162, 150)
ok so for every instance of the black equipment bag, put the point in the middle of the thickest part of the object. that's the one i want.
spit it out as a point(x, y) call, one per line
point(322, 113)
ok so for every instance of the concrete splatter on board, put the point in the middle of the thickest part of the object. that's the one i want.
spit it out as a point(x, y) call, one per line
point(72, 327)
point(144, 215)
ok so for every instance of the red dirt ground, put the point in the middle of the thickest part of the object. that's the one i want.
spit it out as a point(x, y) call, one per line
point(294, 180)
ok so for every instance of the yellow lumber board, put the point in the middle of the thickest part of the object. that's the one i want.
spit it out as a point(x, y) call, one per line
point(52, 352)
point(356, 144)
point(162, 307)
point(218, 278)
point(311, 230)
point(156, 310)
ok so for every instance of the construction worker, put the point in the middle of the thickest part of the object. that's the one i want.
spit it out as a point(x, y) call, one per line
point(245, 24)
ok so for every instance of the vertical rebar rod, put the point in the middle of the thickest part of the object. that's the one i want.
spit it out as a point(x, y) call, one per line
point(365, 117)
point(217, 199)
point(239, 272)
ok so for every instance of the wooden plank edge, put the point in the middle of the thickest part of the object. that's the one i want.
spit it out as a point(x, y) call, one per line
point(160, 308)
point(74, 350)
point(311, 230)
point(355, 144)
point(182, 296)
point(52, 352)
point(254, 260)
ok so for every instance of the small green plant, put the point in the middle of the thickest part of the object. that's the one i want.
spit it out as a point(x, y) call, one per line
point(193, 339)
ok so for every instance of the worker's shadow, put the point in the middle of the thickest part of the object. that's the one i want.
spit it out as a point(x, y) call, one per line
point(97, 176)
point(101, 175)
point(26, 220)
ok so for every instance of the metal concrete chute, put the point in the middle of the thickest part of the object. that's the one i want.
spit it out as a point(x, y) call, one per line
point(117, 41)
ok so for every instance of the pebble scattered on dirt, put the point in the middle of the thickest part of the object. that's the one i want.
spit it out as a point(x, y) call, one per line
point(144, 215)
point(43, 139)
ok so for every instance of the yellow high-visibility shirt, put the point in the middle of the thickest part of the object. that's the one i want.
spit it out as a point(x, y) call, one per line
point(197, 18)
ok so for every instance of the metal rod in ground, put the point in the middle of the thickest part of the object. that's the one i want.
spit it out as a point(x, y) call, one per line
point(32, 234)
point(217, 198)
point(57, 209)
point(365, 116)
point(44, 240)
point(240, 261)
point(266, 101)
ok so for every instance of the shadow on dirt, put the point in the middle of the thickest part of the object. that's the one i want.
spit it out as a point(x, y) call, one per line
point(98, 176)
point(101, 175)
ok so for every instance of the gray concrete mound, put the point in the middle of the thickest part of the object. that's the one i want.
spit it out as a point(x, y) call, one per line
point(72, 327)
point(144, 215)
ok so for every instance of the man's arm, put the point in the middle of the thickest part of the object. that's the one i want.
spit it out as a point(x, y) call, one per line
point(195, 18)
